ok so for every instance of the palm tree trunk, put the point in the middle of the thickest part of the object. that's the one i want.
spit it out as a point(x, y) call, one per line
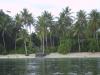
point(25, 42)
point(30, 39)
point(15, 42)
point(53, 42)
point(50, 40)
point(4, 42)
point(46, 40)
point(26, 53)
point(79, 47)
point(97, 40)
point(43, 43)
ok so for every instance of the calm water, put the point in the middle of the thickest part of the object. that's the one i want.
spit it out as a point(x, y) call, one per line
point(50, 66)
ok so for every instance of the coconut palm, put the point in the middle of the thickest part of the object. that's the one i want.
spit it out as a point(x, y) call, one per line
point(94, 22)
point(65, 21)
point(5, 22)
point(64, 24)
point(27, 21)
point(41, 32)
point(48, 25)
point(18, 25)
point(80, 25)
point(23, 34)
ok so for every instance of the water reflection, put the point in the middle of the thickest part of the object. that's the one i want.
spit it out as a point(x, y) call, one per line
point(50, 66)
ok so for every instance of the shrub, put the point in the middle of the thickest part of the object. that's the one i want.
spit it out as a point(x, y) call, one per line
point(65, 46)
point(93, 47)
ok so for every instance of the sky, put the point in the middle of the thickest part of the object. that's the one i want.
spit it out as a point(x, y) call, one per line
point(36, 7)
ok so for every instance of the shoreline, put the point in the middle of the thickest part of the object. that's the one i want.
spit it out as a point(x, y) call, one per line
point(74, 55)
point(54, 55)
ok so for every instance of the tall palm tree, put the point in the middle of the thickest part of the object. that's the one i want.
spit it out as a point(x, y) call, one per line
point(43, 27)
point(80, 25)
point(64, 25)
point(30, 25)
point(18, 25)
point(41, 32)
point(48, 24)
point(5, 22)
point(65, 21)
point(94, 22)
point(27, 21)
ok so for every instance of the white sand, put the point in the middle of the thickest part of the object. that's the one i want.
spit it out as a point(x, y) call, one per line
point(55, 55)
point(13, 56)
point(75, 55)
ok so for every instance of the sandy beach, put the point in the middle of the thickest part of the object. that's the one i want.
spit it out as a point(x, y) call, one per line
point(55, 55)
point(14, 56)
point(75, 55)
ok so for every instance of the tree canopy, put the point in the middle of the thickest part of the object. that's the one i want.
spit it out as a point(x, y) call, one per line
point(66, 34)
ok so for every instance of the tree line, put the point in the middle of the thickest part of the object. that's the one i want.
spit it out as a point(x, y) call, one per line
point(65, 33)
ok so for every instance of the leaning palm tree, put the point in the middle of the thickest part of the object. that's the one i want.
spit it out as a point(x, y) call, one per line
point(23, 34)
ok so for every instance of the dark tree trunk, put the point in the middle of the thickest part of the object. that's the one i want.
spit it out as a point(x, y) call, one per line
point(26, 52)
point(15, 42)
point(4, 42)
point(79, 47)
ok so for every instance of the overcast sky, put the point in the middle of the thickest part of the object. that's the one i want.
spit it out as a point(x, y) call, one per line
point(53, 6)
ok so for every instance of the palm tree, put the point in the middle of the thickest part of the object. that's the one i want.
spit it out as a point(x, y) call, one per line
point(65, 21)
point(80, 25)
point(48, 24)
point(64, 25)
point(5, 22)
point(27, 20)
point(41, 32)
point(24, 36)
point(18, 25)
point(94, 21)
point(43, 27)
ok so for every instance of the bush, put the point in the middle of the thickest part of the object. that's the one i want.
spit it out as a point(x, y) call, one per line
point(51, 49)
point(32, 50)
point(93, 47)
point(1, 49)
point(65, 46)
point(20, 51)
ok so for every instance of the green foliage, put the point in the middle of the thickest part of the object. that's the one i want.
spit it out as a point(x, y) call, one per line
point(51, 50)
point(20, 50)
point(93, 45)
point(62, 35)
point(1, 49)
point(65, 46)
